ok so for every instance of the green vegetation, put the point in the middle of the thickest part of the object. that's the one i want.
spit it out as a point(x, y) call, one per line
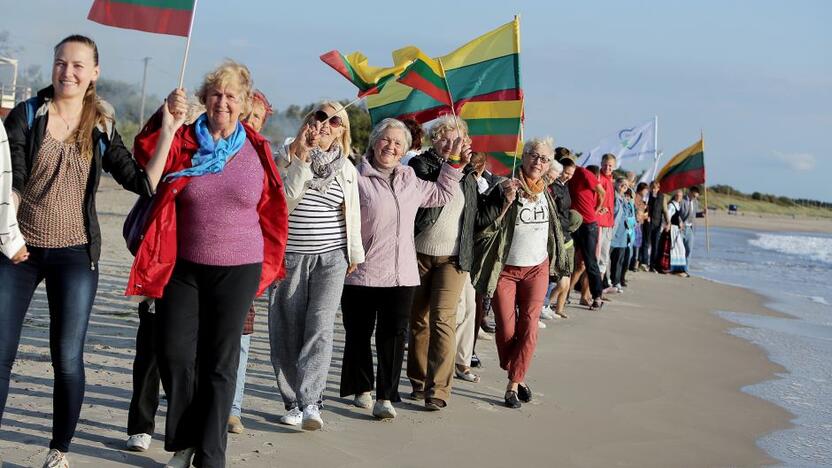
point(720, 196)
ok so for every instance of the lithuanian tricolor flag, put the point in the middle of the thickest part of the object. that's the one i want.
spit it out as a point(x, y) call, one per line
point(156, 16)
point(685, 169)
point(368, 79)
point(485, 69)
point(423, 73)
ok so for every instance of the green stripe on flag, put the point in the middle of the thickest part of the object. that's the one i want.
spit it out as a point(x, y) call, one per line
point(484, 77)
point(426, 72)
point(693, 162)
point(166, 4)
point(506, 126)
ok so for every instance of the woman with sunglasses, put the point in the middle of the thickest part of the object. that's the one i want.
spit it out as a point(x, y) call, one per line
point(519, 250)
point(379, 293)
point(324, 245)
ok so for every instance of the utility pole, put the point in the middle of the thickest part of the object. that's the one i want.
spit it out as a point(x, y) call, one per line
point(144, 87)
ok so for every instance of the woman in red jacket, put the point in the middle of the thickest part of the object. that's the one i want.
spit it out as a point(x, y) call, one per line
point(215, 239)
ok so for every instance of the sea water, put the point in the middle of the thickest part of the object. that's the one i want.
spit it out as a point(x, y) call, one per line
point(794, 271)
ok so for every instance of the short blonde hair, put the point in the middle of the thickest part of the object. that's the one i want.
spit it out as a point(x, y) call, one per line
point(447, 123)
point(537, 143)
point(229, 73)
point(340, 111)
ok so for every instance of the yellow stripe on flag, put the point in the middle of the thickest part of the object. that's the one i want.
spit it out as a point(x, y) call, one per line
point(698, 147)
point(491, 110)
point(500, 42)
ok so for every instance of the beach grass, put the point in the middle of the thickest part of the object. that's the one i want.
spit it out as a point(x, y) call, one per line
point(721, 201)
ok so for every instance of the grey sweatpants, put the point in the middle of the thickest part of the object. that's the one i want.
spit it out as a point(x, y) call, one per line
point(301, 322)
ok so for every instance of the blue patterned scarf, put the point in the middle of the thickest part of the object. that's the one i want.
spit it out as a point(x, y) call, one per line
point(211, 156)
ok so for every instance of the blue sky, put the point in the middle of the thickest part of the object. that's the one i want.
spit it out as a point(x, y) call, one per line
point(756, 77)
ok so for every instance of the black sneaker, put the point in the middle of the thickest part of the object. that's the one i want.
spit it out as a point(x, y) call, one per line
point(524, 392)
point(511, 400)
point(475, 361)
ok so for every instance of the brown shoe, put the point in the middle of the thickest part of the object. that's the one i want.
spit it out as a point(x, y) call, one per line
point(434, 404)
point(235, 426)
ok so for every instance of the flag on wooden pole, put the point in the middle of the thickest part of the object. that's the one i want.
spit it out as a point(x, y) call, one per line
point(156, 16)
point(685, 169)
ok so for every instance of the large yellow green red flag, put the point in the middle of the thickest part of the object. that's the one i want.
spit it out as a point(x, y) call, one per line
point(482, 78)
point(685, 169)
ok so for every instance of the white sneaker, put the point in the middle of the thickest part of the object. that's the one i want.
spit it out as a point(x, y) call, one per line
point(312, 418)
point(383, 409)
point(540, 324)
point(363, 400)
point(56, 459)
point(181, 459)
point(292, 418)
point(139, 442)
point(546, 313)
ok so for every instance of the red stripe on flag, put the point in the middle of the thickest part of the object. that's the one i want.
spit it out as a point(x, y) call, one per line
point(682, 180)
point(130, 16)
point(494, 143)
point(414, 80)
point(335, 60)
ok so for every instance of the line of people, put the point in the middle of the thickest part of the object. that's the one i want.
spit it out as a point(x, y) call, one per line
point(413, 254)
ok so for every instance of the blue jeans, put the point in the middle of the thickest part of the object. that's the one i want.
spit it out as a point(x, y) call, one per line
point(237, 405)
point(689, 236)
point(71, 285)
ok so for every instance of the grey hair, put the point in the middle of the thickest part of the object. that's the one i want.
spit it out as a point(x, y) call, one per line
point(536, 143)
point(447, 123)
point(382, 127)
point(556, 166)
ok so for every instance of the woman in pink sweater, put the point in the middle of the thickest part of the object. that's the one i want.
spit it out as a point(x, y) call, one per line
point(381, 289)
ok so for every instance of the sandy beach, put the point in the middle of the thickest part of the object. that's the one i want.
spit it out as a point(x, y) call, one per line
point(767, 222)
point(652, 379)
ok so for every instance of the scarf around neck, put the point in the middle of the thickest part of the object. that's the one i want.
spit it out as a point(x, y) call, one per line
point(212, 156)
point(324, 164)
point(531, 190)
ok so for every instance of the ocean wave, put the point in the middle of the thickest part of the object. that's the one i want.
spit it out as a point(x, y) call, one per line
point(815, 248)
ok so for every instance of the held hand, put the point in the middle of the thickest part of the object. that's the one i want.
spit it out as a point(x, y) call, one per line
point(21, 256)
point(175, 110)
point(456, 149)
point(465, 154)
point(351, 268)
point(510, 188)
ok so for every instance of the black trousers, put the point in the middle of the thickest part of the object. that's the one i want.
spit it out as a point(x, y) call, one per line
point(199, 321)
point(655, 251)
point(646, 242)
point(619, 260)
point(388, 311)
point(145, 400)
point(586, 242)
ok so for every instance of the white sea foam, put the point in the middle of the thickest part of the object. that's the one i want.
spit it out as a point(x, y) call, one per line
point(815, 248)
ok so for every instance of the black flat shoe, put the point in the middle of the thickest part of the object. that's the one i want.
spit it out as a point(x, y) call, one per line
point(511, 400)
point(524, 393)
point(435, 404)
point(475, 361)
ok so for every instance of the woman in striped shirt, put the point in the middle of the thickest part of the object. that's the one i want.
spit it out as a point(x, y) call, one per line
point(324, 246)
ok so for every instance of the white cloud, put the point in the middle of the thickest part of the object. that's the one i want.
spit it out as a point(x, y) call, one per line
point(799, 162)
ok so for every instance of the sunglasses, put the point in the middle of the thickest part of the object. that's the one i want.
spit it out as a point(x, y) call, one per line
point(334, 121)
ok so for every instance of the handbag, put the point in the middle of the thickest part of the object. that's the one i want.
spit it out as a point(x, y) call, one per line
point(135, 224)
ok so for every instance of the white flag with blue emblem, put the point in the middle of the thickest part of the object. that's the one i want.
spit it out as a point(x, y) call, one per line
point(627, 144)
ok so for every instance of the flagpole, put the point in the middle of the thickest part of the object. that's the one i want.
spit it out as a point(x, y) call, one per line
point(450, 96)
point(655, 144)
point(187, 47)
point(707, 215)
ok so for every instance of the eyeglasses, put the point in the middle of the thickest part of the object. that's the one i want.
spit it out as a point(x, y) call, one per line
point(539, 157)
point(334, 121)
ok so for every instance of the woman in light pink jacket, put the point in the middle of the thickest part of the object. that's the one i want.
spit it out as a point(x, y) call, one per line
point(381, 289)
